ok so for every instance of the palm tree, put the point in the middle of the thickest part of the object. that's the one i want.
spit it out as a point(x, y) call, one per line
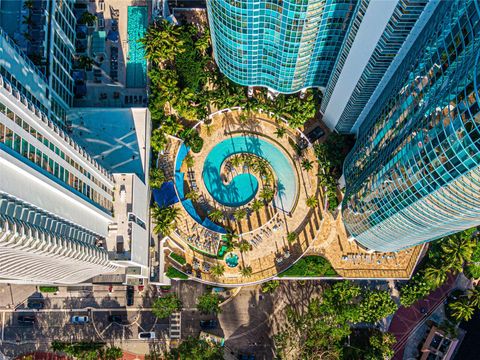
point(162, 42)
point(230, 240)
point(291, 237)
point(462, 310)
point(165, 218)
point(267, 194)
point(458, 249)
point(215, 215)
point(217, 270)
point(280, 132)
point(189, 160)
point(257, 204)
point(203, 43)
point(171, 125)
point(240, 214)
point(236, 160)
point(243, 246)
point(474, 296)
point(436, 275)
point(312, 201)
point(192, 195)
point(307, 165)
point(246, 271)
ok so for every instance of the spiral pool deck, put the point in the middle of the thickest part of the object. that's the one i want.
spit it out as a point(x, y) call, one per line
point(244, 186)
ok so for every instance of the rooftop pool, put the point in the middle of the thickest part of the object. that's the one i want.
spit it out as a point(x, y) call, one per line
point(243, 187)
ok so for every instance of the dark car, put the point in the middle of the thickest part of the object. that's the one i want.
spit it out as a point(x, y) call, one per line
point(130, 294)
point(208, 324)
point(315, 134)
point(26, 319)
point(115, 318)
point(35, 304)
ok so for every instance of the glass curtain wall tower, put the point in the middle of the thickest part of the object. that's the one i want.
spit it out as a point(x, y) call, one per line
point(284, 45)
point(414, 173)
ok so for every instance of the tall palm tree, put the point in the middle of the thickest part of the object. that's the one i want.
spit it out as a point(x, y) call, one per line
point(165, 219)
point(217, 270)
point(216, 215)
point(474, 296)
point(436, 275)
point(257, 204)
point(458, 249)
point(240, 214)
point(307, 165)
point(312, 201)
point(291, 237)
point(267, 194)
point(280, 132)
point(243, 246)
point(462, 310)
point(192, 195)
point(246, 271)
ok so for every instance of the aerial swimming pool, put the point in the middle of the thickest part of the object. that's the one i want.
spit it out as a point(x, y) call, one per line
point(244, 186)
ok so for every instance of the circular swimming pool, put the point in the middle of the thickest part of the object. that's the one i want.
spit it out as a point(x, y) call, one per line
point(244, 186)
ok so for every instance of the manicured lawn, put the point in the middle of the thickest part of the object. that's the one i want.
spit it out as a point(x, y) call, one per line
point(310, 266)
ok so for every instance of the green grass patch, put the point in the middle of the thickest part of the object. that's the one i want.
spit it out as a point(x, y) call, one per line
point(178, 258)
point(48, 289)
point(310, 266)
point(173, 273)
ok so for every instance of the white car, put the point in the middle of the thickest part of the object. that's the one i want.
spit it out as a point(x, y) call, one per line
point(148, 335)
point(79, 320)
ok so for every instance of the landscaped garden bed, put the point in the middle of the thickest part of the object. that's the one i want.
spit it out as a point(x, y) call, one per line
point(314, 266)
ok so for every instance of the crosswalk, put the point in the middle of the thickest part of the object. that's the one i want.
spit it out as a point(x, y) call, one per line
point(176, 325)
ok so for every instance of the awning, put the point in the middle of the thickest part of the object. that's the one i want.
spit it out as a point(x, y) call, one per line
point(165, 196)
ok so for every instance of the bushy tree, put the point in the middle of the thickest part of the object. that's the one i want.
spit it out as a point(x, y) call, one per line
point(196, 349)
point(209, 303)
point(165, 306)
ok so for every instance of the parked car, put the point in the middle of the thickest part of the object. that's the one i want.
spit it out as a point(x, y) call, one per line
point(130, 295)
point(79, 320)
point(26, 319)
point(315, 134)
point(147, 335)
point(115, 318)
point(208, 324)
point(35, 304)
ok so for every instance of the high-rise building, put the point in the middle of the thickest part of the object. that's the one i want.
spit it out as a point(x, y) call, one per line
point(382, 34)
point(286, 46)
point(414, 173)
point(45, 31)
point(55, 200)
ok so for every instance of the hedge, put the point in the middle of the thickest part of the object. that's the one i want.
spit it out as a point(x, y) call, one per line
point(178, 258)
point(310, 266)
point(173, 273)
point(48, 289)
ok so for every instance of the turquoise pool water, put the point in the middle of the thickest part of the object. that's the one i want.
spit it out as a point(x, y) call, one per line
point(243, 187)
point(231, 260)
point(137, 23)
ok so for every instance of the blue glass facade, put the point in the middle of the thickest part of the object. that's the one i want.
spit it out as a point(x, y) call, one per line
point(414, 173)
point(285, 45)
point(397, 30)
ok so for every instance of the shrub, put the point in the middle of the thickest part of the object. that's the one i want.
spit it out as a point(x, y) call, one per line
point(178, 258)
point(48, 289)
point(415, 289)
point(173, 273)
point(270, 286)
point(310, 266)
